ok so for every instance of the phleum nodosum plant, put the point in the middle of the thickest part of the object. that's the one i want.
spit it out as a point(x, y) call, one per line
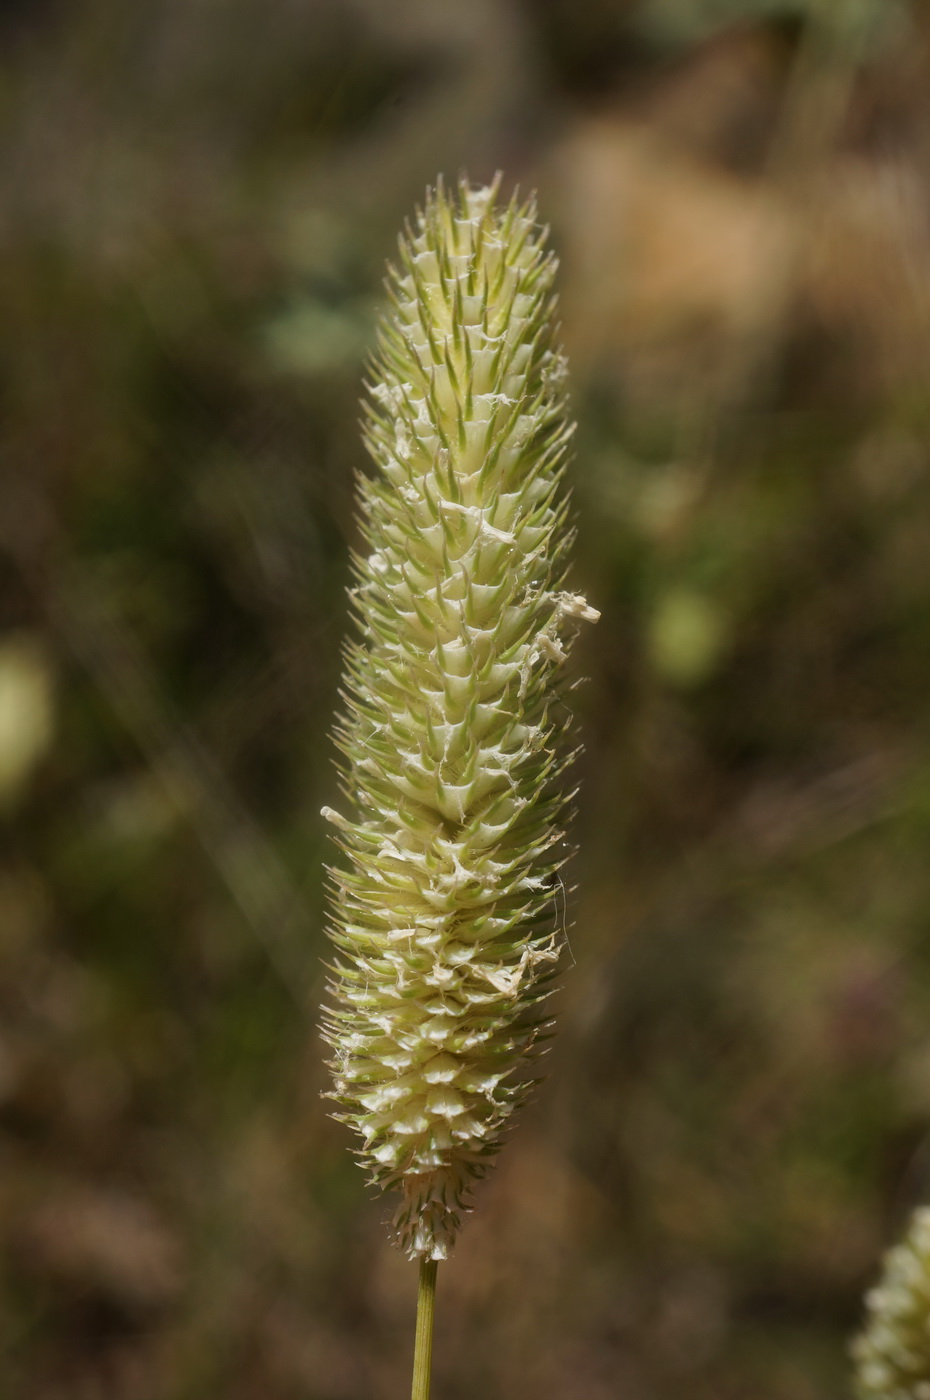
point(892, 1354)
point(454, 739)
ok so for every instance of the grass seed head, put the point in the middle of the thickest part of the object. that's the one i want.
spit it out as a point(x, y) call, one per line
point(454, 734)
point(892, 1354)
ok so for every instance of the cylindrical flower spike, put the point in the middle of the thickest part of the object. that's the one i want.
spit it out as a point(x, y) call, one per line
point(453, 738)
point(892, 1355)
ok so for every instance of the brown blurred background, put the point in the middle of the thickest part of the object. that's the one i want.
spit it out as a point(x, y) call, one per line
point(198, 198)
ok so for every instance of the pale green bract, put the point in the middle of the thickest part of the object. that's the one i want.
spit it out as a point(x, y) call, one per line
point(454, 735)
point(892, 1354)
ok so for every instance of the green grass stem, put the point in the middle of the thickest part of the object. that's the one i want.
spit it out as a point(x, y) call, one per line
point(423, 1345)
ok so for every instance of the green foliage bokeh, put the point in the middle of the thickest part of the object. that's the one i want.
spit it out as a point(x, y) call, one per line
point(198, 204)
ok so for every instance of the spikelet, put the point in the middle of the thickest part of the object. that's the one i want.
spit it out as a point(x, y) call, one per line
point(453, 739)
point(892, 1355)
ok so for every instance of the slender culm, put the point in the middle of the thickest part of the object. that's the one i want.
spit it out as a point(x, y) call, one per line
point(454, 734)
point(892, 1354)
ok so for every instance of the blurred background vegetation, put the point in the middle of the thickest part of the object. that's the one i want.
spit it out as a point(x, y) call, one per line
point(198, 201)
